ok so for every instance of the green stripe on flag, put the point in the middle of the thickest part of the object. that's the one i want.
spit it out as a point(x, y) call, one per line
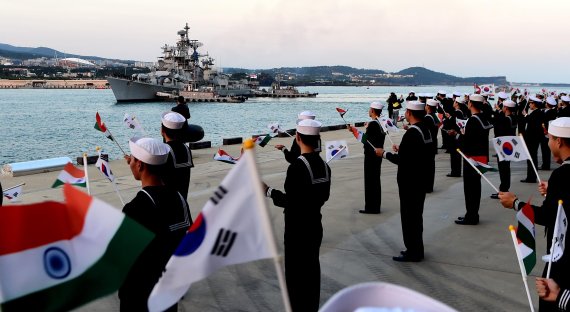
point(103, 278)
point(58, 182)
point(529, 262)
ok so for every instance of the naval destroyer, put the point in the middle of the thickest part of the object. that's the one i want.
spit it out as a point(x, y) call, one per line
point(180, 68)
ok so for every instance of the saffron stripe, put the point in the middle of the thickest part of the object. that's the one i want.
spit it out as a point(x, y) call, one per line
point(50, 221)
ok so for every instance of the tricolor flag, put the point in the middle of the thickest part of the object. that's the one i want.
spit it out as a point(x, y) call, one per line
point(341, 111)
point(387, 124)
point(13, 194)
point(232, 228)
point(70, 174)
point(58, 256)
point(481, 163)
point(223, 156)
point(461, 123)
point(99, 125)
point(132, 122)
point(262, 140)
point(525, 237)
point(103, 165)
point(559, 237)
point(336, 149)
point(359, 135)
point(510, 148)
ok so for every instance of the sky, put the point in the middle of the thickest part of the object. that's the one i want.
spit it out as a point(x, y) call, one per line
point(524, 40)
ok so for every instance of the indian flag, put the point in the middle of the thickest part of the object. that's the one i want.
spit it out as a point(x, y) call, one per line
point(525, 237)
point(359, 135)
point(71, 175)
point(58, 256)
point(99, 125)
point(262, 140)
point(223, 156)
point(480, 162)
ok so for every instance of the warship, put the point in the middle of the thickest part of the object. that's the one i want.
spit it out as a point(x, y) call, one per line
point(180, 68)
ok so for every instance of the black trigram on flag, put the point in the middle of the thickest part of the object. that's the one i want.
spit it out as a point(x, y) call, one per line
point(224, 242)
point(218, 195)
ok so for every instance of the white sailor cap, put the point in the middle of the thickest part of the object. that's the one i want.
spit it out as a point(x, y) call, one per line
point(306, 115)
point(415, 105)
point(503, 95)
point(551, 101)
point(457, 93)
point(173, 120)
point(432, 102)
point(442, 92)
point(412, 91)
point(509, 103)
point(380, 296)
point(565, 98)
point(560, 127)
point(309, 127)
point(535, 99)
point(460, 100)
point(150, 151)
point(476, 98)
point(376, 105)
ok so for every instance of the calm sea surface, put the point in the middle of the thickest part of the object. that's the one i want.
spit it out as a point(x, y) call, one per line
point(38, 123)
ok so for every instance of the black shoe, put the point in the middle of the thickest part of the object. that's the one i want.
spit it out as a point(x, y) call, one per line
point(460, 218)
point(466, 222)
point(451, 175)
point(528, 181)
point(495, 196)
point(406, 258)
point(368, 212)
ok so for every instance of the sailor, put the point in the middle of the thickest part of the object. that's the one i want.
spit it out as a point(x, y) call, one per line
point(181, 107)
point(372, 162)
point(412, 96)
point(412, 156)
point(505, 124)
point(293, 154)
point(454, 157)
point(446, 106)
point(176, 172)
point(564, 109)
point(474, 142)
point(307, 188)
point(557, 188)
point(432, 123)
point(160, 209)
point(533, 134)
point(522, 110)
point(550, 113)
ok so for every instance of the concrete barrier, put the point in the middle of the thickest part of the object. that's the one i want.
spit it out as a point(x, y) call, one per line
point(230, 141)
point(200, 145)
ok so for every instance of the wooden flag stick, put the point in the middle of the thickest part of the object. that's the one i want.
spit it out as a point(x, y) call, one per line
point(521, 266)
point(480, 173)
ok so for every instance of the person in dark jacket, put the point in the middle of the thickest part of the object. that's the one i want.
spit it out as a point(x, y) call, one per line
point(160, 209)
point(372, 162)
point(181, 107)
point(411, 97)
point(505, 124)
point(550, 113)
point(432, 122)
point(412, 157)
point(391, 100)
point(176, 173)
point(474, 144)
point(533, 134)
point(454, 157)
point(557, 188)
point(307, 188)
point(292, 154)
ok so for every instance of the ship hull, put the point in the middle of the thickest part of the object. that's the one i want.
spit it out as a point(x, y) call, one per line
point(135, 91)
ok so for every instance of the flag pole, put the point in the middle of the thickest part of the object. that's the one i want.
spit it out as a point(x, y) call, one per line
point(333, 156)
point(13, 187)
point(114, 140)
point(530, 159)
point(554, 239)
point(479, 172)
point(86, 173)
point(248, 147)
point(521, 266)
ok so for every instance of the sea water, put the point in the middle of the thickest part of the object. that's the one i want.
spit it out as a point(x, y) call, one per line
point(47, 123)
